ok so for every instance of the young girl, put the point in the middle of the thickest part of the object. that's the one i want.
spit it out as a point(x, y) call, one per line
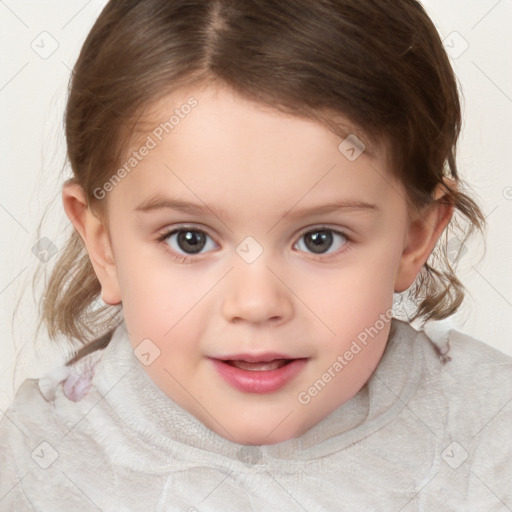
point(228, 361)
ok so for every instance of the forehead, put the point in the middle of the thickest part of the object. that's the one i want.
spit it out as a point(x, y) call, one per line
point(209, 145)
point(213, 101)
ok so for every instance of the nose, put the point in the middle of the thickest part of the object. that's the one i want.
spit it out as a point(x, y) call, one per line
point(255, 294)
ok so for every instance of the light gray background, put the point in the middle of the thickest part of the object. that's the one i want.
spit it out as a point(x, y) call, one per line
point(33, 87)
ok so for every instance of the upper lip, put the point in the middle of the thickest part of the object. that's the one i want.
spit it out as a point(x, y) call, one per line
point(255, 358)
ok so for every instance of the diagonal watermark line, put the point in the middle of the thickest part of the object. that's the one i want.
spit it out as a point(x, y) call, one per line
point(87, 497)
point(492, 81)
point(70, 221)
point(301, 198)
point(418, 492)
point(13, 13)
point(14, 76)
point(216, 487)
point(486, 14)
point(14, 486)
point(200, 299)
point(399, 192)
point(486, 424)
point(492, 211)
point(4, 415)
point(75, 15)
point(12, 280)
point(500, 294)
point(13, 218)
point(199, 403)
point(508, 508)
point(301, 300)
point(280, 423)
point(206, 206)
point(286, 491)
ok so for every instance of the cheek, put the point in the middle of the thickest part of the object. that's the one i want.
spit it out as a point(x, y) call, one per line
point(147, 293)
point(373, 276)
point(354, 294)
point(164, 306)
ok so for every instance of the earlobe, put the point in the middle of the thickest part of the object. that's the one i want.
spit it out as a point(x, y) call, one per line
point(423, 233)
point(95, 237)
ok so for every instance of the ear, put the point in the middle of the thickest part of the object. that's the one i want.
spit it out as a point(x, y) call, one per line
point(424, 230)
point(95, 237)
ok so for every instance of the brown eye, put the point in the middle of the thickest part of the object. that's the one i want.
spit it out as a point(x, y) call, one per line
point(191, 241)
point(188, 241)
point(319, 241)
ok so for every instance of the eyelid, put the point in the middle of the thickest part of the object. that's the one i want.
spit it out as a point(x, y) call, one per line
point(166, 232)
point(344, 232)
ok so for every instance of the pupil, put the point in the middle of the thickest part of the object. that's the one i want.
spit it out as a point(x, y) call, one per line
point(318, 239)
point(191, 241)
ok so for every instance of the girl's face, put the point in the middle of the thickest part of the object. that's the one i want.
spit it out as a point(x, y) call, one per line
point(226, 245)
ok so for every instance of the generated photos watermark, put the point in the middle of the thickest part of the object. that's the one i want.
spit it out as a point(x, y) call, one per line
point(342, 360)
point(151, 142)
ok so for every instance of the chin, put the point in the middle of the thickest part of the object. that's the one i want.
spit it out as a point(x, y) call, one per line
point(261, 434)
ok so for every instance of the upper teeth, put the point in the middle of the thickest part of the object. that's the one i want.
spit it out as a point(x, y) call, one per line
point(262, 366)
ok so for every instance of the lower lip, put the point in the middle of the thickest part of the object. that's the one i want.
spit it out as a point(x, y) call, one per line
point(259, 381)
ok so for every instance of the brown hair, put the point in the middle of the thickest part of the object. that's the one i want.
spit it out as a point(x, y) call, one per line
point(379, 63)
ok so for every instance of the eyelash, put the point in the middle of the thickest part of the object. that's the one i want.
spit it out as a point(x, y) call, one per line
point(183, 258)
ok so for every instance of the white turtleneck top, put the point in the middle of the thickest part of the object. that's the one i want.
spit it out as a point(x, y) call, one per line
point(431, 430)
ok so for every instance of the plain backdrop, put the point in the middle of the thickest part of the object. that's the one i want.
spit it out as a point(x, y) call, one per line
point(39, 44)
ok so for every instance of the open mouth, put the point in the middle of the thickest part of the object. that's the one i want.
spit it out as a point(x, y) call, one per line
point(259, 366)
point(263, 376)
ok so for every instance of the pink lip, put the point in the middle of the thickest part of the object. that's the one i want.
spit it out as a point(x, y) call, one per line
point(265, 381)
point(255, 358)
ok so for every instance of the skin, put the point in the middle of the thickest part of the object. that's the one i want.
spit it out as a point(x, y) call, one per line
point(256, 164)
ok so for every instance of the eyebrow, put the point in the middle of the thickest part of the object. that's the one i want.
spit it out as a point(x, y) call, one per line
point(157, 202)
